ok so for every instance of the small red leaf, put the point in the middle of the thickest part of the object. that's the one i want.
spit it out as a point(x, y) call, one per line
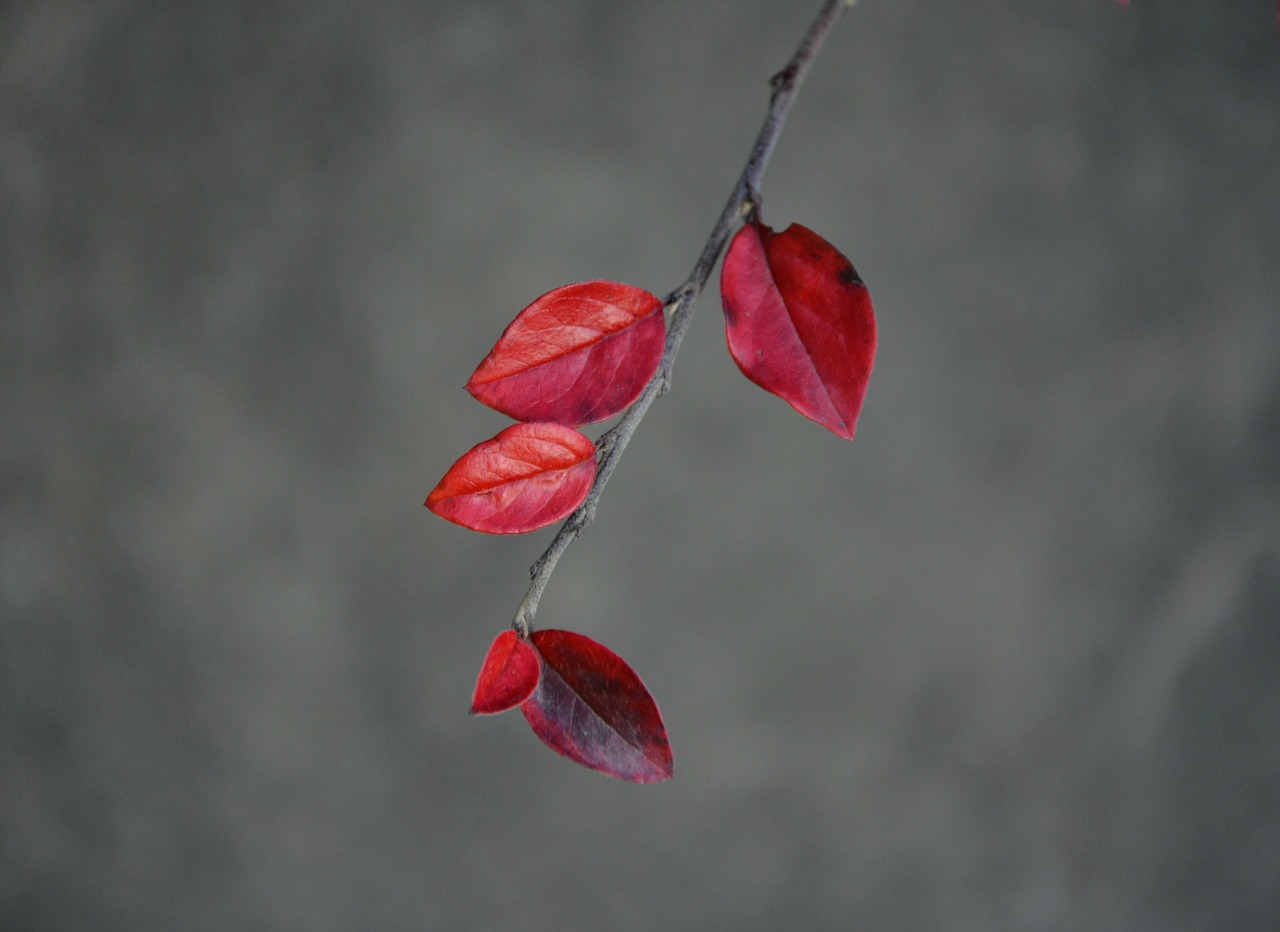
point(591, 707)
point(577, 355)
point(799, 322)
point(528, 476)
point(508, 675)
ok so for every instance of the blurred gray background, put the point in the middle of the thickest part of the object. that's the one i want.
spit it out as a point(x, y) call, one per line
point(1008, 661)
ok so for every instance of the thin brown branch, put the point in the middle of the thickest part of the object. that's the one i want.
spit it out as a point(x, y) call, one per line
point(680, 304)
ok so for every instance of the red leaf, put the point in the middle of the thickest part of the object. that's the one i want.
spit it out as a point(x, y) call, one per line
point(591, 707)
point(508, 675)
point(577, 355)
point(799, 322)
point(528, 476)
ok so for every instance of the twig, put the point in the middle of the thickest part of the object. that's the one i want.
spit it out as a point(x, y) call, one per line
point(680, 304)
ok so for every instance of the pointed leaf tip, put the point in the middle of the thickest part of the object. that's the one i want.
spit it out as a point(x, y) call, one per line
point(526, 477)
point(799, 322)
point(591, 707)
point(579, 354)
point(508, 676)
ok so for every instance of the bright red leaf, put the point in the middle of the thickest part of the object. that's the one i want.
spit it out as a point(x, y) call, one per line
point(577, 355)
point(799, 322)
point(528, 476)
point(591, 707)
point(508, 675)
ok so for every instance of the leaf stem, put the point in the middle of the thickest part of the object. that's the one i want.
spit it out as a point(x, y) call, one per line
point(681, 302)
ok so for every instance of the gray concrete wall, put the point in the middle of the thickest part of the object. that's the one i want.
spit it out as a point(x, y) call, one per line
point(1008, 661)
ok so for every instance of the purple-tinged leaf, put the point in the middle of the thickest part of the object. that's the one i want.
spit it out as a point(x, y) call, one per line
point(591, 707)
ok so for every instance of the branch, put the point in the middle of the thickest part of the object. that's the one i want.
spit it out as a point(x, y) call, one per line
point(680, 304)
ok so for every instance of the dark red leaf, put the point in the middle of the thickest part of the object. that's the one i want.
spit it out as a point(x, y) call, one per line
point(799, 322)
point(577, 355)
point(591, 707)
point(526, 477)
point(508, 675)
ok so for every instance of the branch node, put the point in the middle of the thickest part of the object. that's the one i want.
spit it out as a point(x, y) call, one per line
point(582, 518)
point(604, 444)
point(663, 378)
point(783, 78)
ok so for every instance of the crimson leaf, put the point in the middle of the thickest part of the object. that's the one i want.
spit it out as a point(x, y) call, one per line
point(508, 675)
point(528, 476)
point(799, 322)
point(577, 355)
point(591, 707)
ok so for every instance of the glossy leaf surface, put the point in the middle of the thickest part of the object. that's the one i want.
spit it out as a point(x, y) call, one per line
point(577, 355)
point(508, 676)
point(799, 322)
point(591, 707)
point(528, 476)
